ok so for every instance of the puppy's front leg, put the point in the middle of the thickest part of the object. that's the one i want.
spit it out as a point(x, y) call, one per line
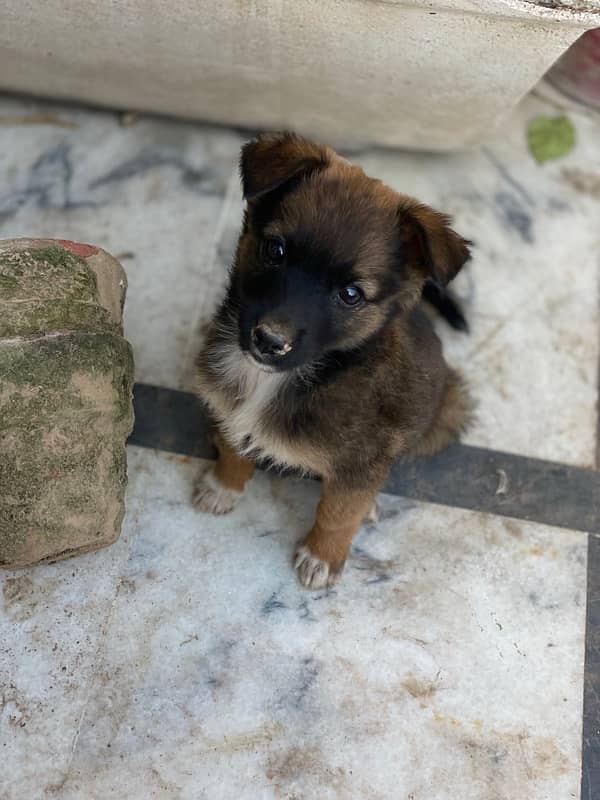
point(218, 489)
point(321, 557)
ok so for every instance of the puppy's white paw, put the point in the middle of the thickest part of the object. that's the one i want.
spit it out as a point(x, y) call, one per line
point(211, 496)
point(373, 514)
point(313, 572)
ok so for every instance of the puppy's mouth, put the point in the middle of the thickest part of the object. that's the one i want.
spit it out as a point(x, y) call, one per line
point(267, 363)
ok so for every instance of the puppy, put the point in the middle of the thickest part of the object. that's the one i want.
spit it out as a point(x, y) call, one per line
point(320, 358)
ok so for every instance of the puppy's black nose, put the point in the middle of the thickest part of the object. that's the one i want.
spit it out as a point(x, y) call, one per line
point(270, 341)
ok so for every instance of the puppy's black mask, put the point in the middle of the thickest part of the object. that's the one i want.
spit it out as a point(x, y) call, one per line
point(327, 255)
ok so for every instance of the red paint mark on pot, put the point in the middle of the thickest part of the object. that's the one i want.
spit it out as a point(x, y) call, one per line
point(82, 250)
point(577, 72)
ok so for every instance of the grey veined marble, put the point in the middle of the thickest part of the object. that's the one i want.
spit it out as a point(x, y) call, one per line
point(185, 661)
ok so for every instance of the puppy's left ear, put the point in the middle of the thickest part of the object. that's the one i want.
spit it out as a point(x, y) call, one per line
point(430, 243)
point(271, 160)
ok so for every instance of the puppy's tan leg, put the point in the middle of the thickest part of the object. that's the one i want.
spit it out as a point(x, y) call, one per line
point(321, 557)
point(218, 489)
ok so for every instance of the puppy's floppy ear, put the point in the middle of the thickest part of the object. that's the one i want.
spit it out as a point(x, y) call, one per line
point(273, 159)
point(430, 243)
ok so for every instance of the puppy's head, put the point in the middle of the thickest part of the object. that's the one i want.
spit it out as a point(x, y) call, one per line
point(327, 255)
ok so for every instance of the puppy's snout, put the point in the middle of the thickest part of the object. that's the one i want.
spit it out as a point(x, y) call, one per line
point(270, 341)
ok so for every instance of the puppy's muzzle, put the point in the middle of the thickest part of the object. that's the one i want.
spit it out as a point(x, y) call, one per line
point(267, 340)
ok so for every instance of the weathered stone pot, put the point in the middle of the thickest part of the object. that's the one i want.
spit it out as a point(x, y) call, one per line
point(66, 376)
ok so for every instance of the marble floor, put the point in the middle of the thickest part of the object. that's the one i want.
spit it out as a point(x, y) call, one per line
point(185, 661)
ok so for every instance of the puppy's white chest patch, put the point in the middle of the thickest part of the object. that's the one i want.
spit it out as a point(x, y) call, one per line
point(252, 435)
point(243, 425)
point(243, 415)
point(241, 410)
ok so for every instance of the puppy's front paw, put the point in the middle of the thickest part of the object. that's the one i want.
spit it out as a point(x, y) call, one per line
point(211, 496)
point(313, 572)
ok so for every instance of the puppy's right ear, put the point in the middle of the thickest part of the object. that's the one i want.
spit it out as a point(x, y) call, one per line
point(430, 243)
point(271, 160)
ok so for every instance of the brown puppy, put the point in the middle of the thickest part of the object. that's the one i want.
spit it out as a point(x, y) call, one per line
point(320, 358)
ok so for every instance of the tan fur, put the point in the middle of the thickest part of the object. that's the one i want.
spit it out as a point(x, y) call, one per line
point(321, 557)
point(231, 469)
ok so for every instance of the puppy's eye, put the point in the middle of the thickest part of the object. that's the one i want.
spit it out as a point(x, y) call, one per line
point(274, 251)
point(350, 295)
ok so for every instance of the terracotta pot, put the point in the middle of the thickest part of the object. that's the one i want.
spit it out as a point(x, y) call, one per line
point(577, 72)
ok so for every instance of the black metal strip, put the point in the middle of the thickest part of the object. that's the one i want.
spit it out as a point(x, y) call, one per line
point(504, 484)
point(170, 420)
point(590, 754)
point(590, 749)
point(462, 476)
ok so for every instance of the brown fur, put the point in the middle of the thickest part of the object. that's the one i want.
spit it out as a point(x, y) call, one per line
point(231, 470)
point(378, 388)
point(339, 516)
point(453, 418)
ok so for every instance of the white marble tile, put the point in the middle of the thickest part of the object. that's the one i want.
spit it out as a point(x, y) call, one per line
point(217, 271)
point(185, 661)
point(447, 663)
point(150, 193)
point(52, 625)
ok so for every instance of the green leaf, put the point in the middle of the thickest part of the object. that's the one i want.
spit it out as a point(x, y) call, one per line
point(550, 137)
